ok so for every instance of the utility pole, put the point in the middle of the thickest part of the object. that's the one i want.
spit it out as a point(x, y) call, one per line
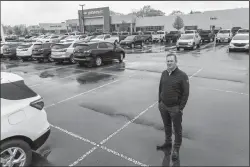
point(83, 30)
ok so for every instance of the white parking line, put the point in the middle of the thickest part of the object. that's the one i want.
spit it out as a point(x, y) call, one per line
point(91, 90)
point(94, 148)
point(131, 121)
point(83, 156)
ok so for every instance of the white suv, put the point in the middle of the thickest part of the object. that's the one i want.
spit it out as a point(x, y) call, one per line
point(24, 125)
point(188, 41)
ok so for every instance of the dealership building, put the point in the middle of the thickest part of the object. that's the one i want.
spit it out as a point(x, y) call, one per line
point(99, 19)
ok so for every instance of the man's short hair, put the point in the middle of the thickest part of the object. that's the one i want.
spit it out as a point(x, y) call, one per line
point(172, 54)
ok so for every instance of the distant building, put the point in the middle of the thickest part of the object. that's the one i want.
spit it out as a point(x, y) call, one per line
point(99, 19)
point(218, 18)
point(58, 28)
point(33, 29)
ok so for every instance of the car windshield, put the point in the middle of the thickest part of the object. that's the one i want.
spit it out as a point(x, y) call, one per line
point(24, 46)
point(187, 37)
point(129, 37)
point(173, 32)
point(61, 46)
point(125, 33)
point(9, 45)
point(189, 32)
point(37, 46)
point(82, 47)
point(241, 37)
point(243, 31)
point(224, 31)
point(114, 33)
point(147, 33)
point(205, 31)
point(160, 32)
point(100, 37)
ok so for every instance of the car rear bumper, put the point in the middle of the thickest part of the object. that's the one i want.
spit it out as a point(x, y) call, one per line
point(41, 140)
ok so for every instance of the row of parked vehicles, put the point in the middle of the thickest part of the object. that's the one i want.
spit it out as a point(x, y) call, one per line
point(191, 39)
point(74, 50)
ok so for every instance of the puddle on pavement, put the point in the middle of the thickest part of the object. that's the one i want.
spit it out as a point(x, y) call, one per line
point(46, 74)
point(107, 110)
point(93, 77)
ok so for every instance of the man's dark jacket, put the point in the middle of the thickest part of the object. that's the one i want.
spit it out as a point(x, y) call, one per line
point(174, 88)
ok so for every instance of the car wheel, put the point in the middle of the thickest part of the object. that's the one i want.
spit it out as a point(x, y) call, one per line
point(81, 64)
point(121, 57)
point(178, 49)
point(193, 46)
point(40, 60)
point(50, 58)
point(198, 45)
point(229, 50)
point(72, 59)
point(132, 46)
point(15, 152)
point(98, 61)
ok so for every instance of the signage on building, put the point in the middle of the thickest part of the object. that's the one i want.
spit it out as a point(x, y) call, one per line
point(55, 26)
point(98, 12)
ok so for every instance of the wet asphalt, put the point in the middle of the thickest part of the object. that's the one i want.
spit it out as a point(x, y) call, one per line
point(108, 116)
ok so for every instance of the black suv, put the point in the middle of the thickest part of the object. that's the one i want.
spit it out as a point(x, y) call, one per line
point(42, 51)
point(173, 35)
point(207, 35)
point(132, 41)
point(95, 53)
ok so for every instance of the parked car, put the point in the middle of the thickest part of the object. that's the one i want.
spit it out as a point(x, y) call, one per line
point(234, 30)
point(9, 49)
point(63, 51)
point(239, 42)
point(224, 35)
point(102, 37)
point(51, 39)
point(173, 36)
point(190, 32)
point(95, 53)
point(123, 35)
point(88, 38)
point(207, 35)
point(147, 36)
point(24, 51)
point(73, 38)
point(243, 31)
point(113, 39)
point(188, 41)
point(132, 41)
point(42, 51)
point(24, 124)
point(159, 36)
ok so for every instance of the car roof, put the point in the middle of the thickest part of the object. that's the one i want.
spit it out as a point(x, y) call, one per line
point(241, 35)
point(7, 77)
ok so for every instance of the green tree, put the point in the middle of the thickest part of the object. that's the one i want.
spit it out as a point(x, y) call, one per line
point(147, 11)
point(9, 31)
point(115, 13)
point(25, 32)
point(178, 23)
point(17, 30)
point(176, 12)
point(43, 31)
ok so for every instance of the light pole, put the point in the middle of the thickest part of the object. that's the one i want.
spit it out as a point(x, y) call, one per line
point(83, 30)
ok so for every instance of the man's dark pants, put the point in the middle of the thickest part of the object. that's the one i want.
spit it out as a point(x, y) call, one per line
point(169, 115)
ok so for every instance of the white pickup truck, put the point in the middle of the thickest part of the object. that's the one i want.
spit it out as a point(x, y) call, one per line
point(159, 36)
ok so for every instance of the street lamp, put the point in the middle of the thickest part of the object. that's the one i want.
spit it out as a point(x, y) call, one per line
point(83, 30)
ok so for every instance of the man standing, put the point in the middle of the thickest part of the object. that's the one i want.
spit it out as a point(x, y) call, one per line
point(173, 96)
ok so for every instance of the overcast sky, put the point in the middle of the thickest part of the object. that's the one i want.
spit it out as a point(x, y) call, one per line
point(35, 12)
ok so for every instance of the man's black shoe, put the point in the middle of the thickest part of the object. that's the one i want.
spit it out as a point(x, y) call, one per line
point(175, 154)
point(164, 146)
